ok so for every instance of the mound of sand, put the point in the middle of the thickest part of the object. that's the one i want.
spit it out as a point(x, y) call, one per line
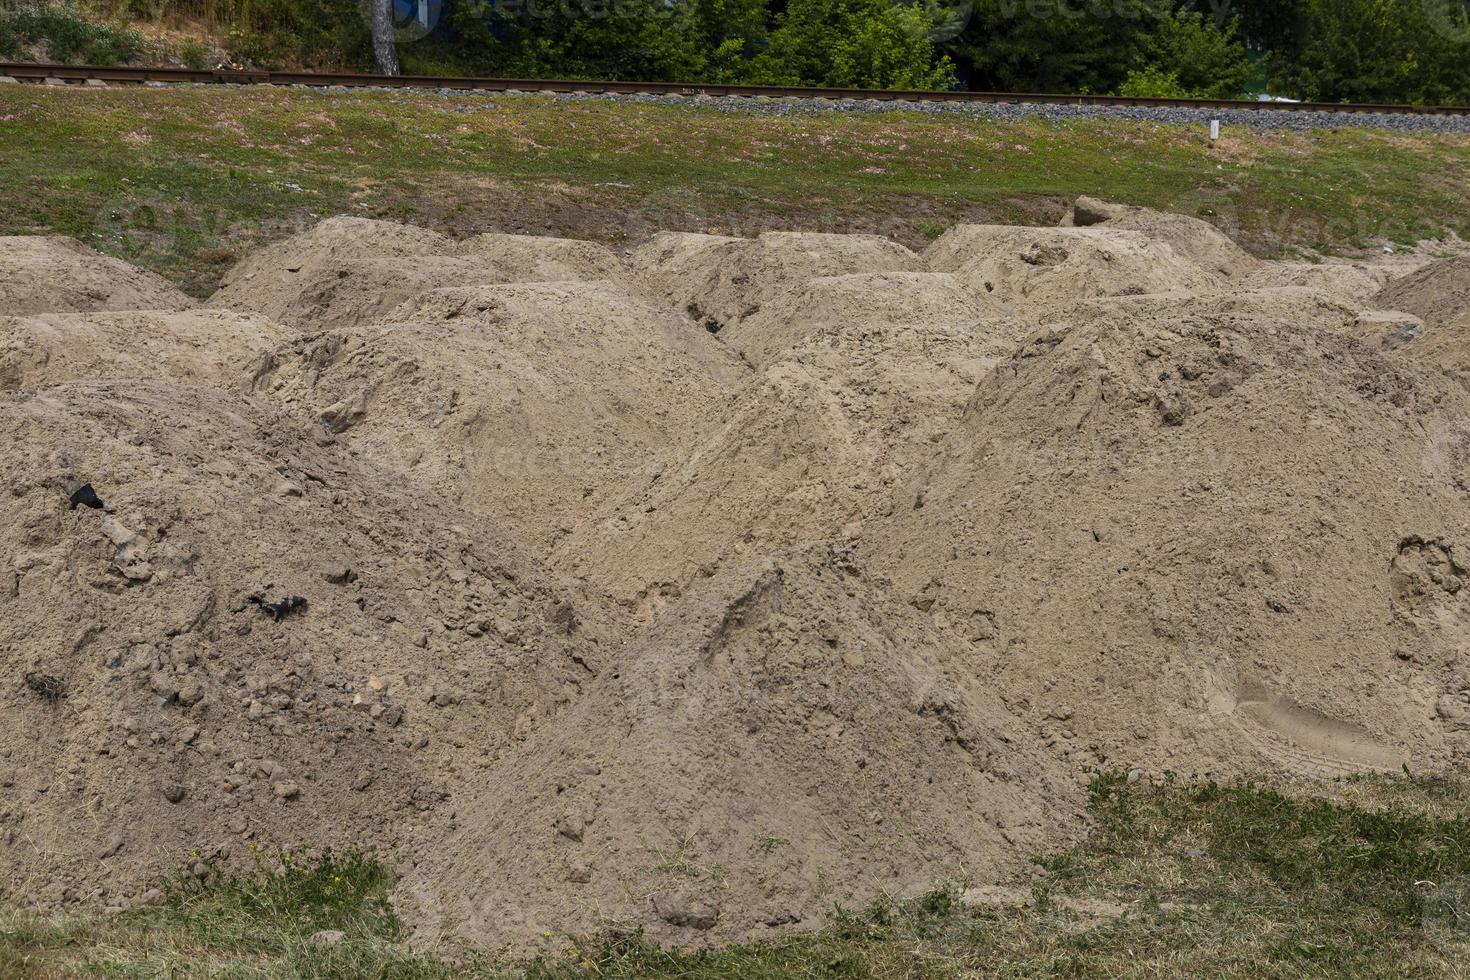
point(1192, 239)
point(1346, 281)
point(718, 282)
point(533, 258)
point(164, 693)
point(349, 272)
point(1438, 293)
point(813, 450)
point(1209, 543)
point(192, 345)
point(60, 275)
point(1299, 305)
point(346, 237)
point(839, 305)
point(331, 292)
point(345, 272)
point(1039, 270)
point(526, 402)
point(785, 739)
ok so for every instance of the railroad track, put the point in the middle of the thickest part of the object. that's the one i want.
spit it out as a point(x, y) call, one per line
point(96, 75)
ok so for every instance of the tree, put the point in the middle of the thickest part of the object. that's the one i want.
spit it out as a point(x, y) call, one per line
point(1204, 56)
point(1380, 51)
point(854, 43)
point(385, 46)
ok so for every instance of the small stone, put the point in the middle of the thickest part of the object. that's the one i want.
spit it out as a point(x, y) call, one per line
point(163, 685)
point(1134, 775)
point(687, 911)
point(153, 896)
point(571, 826)
point(286, 791)
point(325, 939)
point(1453, 709)
point(174, 792)
point(377, 683)
point(113, 845)
point(363, 781)
point(579, 873)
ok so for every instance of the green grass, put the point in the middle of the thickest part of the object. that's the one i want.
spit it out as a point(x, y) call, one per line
point(1175, 880)
point(185, 180)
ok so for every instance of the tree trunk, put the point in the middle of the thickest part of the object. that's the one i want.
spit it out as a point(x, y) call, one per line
point(385, 48)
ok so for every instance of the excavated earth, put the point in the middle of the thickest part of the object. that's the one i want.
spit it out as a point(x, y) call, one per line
point(705, 586)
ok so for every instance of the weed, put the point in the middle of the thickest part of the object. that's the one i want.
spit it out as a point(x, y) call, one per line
point(194, 55)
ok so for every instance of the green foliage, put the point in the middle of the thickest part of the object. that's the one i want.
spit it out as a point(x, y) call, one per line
point(1378, 51)
point(867, 43)
point(1066, 47)
point(1205, 56)
point(854, 43)
point(194, 56)
point(265, 33)
point(1324, 50)
point(67, 35)
point(1153, 82)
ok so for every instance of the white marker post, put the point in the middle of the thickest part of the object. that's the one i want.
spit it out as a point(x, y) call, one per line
point(1214, 130)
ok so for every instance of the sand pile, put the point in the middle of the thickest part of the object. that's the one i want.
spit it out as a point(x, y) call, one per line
point(1191, 239)
point(720, 281)
point(1039, 270)
point(1437, 293)
point(356, 556)
point(349, 272)
point(255, 638)
point(1347, 281)
point(526, 402)
point(1441, 348)
point(531, 258)
point(813, 449)
point(59, 275)
point(835, 305)
point(785, 738)
point(1207, 543)
point(191, 345)
point(1301, 306)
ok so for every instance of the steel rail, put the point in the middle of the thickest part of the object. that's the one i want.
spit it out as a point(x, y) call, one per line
point(84, 74)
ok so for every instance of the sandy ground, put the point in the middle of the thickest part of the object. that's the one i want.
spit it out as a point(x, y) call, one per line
point(703, 587)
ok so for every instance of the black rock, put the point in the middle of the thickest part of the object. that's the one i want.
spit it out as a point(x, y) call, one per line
point(85, 496)
point(280, 610)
